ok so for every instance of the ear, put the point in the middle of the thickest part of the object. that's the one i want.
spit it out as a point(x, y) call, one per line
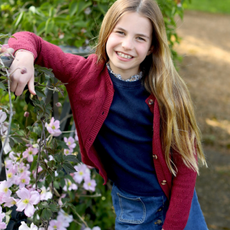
point(150, 50)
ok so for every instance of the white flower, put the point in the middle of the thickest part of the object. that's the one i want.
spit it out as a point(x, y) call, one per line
point(82, 173)
point(24, 226)
point(45, 194)
point(64, 217)
point(87, 11)
point(3, 125)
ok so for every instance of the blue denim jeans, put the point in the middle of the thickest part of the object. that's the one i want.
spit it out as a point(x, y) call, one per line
point(148, 212)
point(196, 219)
point(138, 213)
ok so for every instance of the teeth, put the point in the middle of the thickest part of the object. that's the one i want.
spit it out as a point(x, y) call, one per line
point(124, 55)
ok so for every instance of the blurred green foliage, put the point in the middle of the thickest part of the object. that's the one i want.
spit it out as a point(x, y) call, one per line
point(211, 6)
point(67, 22)
point(71, 22)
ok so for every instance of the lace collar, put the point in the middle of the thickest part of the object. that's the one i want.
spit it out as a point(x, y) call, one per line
point(132, 78)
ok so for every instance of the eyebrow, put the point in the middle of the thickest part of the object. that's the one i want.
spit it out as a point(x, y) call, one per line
point(141, 35)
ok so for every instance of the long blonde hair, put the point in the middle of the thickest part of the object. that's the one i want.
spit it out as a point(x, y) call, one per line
point(179, 130)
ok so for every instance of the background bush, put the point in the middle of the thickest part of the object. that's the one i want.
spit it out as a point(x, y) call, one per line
point(72, 22)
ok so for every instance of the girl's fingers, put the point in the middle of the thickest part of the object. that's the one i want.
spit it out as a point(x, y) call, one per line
point(19, 89)
point(18, 80)
point(14, 80)
point(31, 86)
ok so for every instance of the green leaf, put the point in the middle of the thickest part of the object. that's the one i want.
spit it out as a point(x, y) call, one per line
point(53, 207)
point(43, 204)
point(73, 8)
point(30, 128)
point(42, 174)
point(6, 36)
point(61, 144)
point(83, 6)
point(41, 28)
point(17, 139)
point(49, 25)
point(39, 92)
point(62, 182)
point(49, 179)
point(68, 168)
point(19, 19)
point(44, 70)
point(61, 19)
point(43, 165)
point(71, 158)
point(103, 8)
point(58, 157)
point(2, 86)
point(46, 214)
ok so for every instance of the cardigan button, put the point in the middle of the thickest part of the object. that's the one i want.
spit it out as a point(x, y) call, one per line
point(150, 101)
point(155, 156)
point(163, 182)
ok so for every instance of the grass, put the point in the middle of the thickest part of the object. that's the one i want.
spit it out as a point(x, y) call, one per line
point(211, 6)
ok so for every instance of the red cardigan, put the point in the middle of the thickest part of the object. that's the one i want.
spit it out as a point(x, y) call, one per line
point(90, 91)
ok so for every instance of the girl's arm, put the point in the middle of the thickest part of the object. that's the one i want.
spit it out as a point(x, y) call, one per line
point(65, 66)
point(182, 191)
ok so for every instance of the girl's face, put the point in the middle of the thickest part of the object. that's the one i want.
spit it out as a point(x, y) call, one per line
point(129, 44)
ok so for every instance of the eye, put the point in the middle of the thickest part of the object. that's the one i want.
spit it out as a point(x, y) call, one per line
point(120, 32)
point(140, 39)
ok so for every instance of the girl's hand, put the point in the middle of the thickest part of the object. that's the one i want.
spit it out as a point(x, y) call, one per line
point(22, 72)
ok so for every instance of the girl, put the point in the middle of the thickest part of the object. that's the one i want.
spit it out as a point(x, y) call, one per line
point(133, 115)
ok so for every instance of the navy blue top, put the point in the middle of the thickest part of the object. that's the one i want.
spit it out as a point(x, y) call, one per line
point(124, 143)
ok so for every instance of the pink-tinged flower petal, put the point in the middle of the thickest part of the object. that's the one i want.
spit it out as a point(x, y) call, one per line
point(90, 185)
point(35, 197)
point(29, 210)
point(57, 133)
point(30, 158)
point(23, 226)
point(4, 187)
point(33, 227)
point(53, 127)
point(20, 206)
point(2, 225)
point(10, 201)
point(23, 193)
point(76, 135)
point(2, 197)
point(56, 124)
point(2, 116)
point(96, 228)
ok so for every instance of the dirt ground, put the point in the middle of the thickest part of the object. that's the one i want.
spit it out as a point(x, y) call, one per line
point(205, 48)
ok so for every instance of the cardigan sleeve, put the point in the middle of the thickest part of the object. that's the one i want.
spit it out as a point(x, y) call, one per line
point(64, 65)
point(181, 196)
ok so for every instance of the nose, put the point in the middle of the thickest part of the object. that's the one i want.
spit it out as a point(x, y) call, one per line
point(127, 43)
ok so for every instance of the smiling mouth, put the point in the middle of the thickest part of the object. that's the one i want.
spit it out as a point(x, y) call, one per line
point(124, 55)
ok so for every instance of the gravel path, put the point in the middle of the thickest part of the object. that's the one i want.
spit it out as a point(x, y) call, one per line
point(205, 48)
point(213, 189)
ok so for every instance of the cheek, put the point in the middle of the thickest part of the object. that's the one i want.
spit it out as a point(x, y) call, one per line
point(111, 42)
point(109, 45)
point(144, 51)
point(107, 50)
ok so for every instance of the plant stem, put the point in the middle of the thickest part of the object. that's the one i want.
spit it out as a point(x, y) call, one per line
point(39, 153)
point(11, 112)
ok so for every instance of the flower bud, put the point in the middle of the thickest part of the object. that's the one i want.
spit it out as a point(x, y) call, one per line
point(58, 104)
point(26, 114)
